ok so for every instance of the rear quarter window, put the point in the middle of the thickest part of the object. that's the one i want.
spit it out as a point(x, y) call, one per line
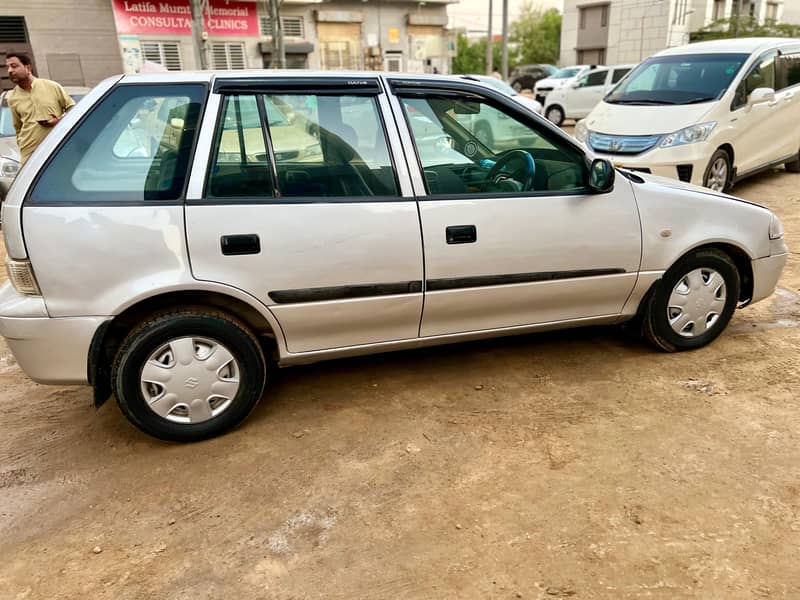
point(135, 145)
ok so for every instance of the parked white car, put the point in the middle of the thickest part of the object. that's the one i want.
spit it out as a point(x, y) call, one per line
point(171, 276)
point(502, 86)
point(577, 99)
point(710, 113)
point(562, 78)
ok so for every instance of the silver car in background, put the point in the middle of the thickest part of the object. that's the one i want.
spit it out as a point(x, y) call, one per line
point(297, 217)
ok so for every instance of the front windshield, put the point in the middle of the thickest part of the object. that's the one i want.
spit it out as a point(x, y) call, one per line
point(6, 123)
point(686, 79)
point(567, 73)
point(550, 69)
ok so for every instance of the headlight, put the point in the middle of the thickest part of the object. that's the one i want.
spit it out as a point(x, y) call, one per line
point(8, 167)
point(690, 135)
point(580, 131)
point(775, 228)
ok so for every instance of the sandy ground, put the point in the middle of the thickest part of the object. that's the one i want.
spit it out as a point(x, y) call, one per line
point(578, 464)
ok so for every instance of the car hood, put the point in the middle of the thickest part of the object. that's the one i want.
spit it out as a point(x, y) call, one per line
point(675, 184)
point(8, 148)
point(626, 119)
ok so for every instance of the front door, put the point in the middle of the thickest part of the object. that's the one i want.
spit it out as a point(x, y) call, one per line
point(511, 236)
point(303, 209)
point(591, 89)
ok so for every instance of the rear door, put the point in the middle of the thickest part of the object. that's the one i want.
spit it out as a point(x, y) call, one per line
point(301, 206)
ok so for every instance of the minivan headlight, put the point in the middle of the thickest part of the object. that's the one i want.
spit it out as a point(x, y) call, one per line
point(775, 228)
point(690, 135)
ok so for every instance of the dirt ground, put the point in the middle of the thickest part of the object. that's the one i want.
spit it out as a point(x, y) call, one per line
point(569, 465)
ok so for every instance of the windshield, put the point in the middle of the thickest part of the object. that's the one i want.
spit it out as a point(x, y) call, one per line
point(499, 85)
point(687, 79)
point(567, 73)
point(550, 69)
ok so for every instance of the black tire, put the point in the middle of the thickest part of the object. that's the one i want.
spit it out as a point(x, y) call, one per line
point(484, 134)
point(793, 166)
point(719, 155)
point(656, 327)
point(199, 322)
point(517, 85)
point(555, 114)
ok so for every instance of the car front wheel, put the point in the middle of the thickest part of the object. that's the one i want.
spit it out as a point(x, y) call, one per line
point(189, 374)
point(555, 114)
point(693, 302)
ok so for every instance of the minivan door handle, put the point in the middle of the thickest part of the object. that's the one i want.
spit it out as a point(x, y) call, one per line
point(235, 245)
point(461, 234)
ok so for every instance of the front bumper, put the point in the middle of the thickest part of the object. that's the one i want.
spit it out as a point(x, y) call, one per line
point(766, 273)
point(687, 163)
point(53, 351)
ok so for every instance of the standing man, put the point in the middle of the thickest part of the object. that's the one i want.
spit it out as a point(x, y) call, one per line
point(36, 104)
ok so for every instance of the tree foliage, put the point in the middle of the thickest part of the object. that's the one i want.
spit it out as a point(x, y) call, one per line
point(534, 37)
point(744, 27)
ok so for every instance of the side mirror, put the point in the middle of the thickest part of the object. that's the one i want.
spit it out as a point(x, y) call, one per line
point(601, 176)
point(760, 96)
point(575, 84)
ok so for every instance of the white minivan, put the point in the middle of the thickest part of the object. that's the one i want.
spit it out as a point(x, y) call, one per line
point(710, 113)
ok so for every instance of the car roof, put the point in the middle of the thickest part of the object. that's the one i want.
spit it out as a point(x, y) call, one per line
point(209, 76)
point(737, 45)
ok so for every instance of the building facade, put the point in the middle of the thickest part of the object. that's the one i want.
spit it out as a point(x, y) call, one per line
point(628, 31)
point(80, 44)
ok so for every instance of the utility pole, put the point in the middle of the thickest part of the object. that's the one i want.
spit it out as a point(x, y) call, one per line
point(504, 64)
point(490, 44)
point(278, 49)
point(737, 9)
point(199, 35)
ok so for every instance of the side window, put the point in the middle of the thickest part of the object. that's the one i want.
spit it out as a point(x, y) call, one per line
point(788, 70)
point(761, 76)
point(329, 146)
point(618, 75)
point(596, 78)
point(467, 146)
point(134, 146)
point(240, 164)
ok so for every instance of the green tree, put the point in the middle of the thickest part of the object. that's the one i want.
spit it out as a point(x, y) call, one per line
point(744, 27)
point(536, 35)
point(470, 56)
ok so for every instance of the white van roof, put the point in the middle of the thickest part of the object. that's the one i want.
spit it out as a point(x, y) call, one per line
point(737, 45)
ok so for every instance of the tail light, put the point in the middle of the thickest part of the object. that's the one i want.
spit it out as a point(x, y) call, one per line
point(20, 273)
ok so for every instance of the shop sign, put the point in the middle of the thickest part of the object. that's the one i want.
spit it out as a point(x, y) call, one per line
point(174, 17)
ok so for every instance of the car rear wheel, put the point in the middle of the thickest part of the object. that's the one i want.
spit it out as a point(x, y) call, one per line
point(693, 302)
point(718, 173)
point(555, 114)
point(189, 374)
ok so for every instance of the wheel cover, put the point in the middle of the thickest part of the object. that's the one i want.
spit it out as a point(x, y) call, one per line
point(697, 302)
point(554, 115)
point(718, 175)
point(190, 380)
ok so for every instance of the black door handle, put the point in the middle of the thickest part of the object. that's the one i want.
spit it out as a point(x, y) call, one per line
point(234, 245)
point(461, 234)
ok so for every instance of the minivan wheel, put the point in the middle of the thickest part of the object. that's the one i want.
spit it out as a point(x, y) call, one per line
point(718, 173)
point(793, 166)
point(693, 302)
point(555, 114)
point(188, 375)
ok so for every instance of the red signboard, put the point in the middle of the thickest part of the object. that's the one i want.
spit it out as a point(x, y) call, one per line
point(174, 17)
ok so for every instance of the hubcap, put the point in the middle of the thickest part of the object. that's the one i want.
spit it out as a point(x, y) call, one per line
point(190, 380)
point(696, 303)
point(718, 175)
point(554, 115)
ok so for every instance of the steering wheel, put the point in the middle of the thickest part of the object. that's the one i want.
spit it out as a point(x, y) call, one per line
point(522, 175)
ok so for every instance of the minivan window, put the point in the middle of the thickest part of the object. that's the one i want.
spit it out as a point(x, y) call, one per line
point(788, 70)
point(760, 76)
point(682, 79)
point(134, 146)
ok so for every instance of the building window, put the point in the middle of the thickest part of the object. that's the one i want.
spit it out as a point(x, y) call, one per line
point(338, 55)
point(582, 12)
point(228, 56)
point(596, 56)
point(12, 30)
point(604, 16)
point(772, 12)
point(680, 12)
point(292, 26)
point(167, 54)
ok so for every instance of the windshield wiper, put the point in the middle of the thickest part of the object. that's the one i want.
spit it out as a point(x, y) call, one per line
point(641, 102)
point(699, 100)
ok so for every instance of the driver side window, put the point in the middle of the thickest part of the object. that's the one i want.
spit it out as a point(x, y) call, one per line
point(467, 146)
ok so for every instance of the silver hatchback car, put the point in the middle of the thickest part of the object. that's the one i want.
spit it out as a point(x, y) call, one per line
point(176, 232)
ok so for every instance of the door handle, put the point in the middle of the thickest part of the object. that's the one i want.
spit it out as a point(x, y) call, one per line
point(461, 234)
point(235, 245)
